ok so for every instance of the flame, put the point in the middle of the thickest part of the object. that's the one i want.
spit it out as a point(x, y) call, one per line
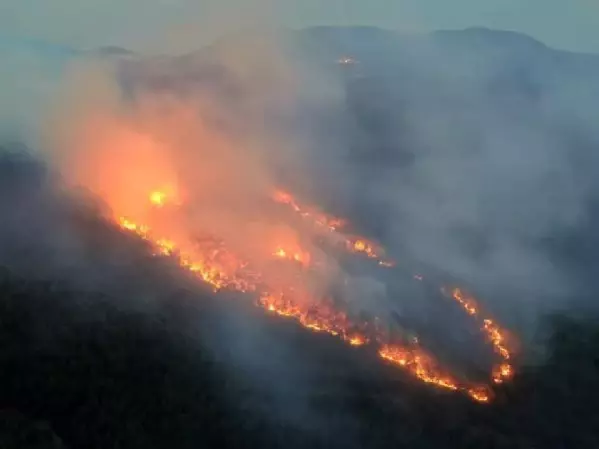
point(140, 230)
point(494, 333)
point(419, 364)
point(315, 217)
point(158, 198)
point(146, 165)
point(467, 304)
point(362, 246)
point(167, 247)
point(497, 339)
point(357, 340)
point(319, 319)
point(334, 225)
point(280, 252)
point(502, 372)
point(480, 394)
point(299, 256)
point(216, 265)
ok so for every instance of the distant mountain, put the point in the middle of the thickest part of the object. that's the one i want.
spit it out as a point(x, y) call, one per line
point(110, 51)
point(52, 52)
point(16, 44)
point(486, 37)
point(371, 44)
point(472, 52)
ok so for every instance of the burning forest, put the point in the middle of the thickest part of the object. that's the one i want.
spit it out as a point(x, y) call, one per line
point(303, 237)
point(218, 231)
point(202, 186)
point(280, 277)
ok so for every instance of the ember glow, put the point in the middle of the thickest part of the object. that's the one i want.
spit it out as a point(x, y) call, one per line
point(312, 215)
point(495, 334)
point(211, 261)
point(158, 198)
point(419, 364)
point(335, 229)
point(298, 255)
point(203, 190)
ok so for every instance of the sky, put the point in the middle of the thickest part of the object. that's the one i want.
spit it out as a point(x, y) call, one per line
point(145, 24)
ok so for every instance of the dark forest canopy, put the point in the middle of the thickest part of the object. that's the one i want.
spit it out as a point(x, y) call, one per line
point(103, 376)
point(95, 365)
point(105, 346)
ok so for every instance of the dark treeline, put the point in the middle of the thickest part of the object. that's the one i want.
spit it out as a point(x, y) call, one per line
point(102, 376)
point(92, 364)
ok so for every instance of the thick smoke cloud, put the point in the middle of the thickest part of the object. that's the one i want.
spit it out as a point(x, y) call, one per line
point(468, 159)
point(463, 166)
point(118, 130)
point(476, 146)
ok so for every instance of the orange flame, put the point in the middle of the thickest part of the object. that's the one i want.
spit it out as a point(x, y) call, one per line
point(480, 394)
point(419, 364)
point(158, 198)
point(301, 257)
point(315, 217)
point(222, 269)
point(494, 334)
point(467, 304)
point(358, 245)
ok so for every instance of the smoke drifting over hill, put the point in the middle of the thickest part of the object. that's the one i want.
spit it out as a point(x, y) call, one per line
point(467, 155)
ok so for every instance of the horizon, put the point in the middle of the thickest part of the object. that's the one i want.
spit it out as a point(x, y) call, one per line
point(185, 23)
point(34, 41)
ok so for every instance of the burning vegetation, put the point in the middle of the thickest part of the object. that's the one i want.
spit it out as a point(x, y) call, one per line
point(282, 280)
point(200, 190)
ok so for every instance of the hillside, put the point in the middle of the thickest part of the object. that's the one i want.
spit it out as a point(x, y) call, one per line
point(469, 154)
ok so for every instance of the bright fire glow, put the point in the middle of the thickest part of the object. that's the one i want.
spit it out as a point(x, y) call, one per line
point(419, 364)
point(335, 227)
point(494, 333)
point(158, 198)
point(222, 269)
point(297, 256)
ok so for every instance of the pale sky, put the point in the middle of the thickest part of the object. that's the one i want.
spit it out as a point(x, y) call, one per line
point(568, 24)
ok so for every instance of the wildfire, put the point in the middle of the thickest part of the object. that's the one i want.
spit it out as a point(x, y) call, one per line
point(467, 304)
point(419, 364)
point(318, 319)
point(213, 263)
point(301, 257)
point(502, 372)
point(315, 217)
point(158, 198)
point(214, 266)
point(357, 245)
point(357, 340)
point(480, 394)
point(142, 231)
point(494, 334)
point(362, 246)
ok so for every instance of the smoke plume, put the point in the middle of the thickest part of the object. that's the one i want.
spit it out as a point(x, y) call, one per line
point(468, 159)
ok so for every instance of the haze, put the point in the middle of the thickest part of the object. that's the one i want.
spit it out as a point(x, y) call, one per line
point(190, 23)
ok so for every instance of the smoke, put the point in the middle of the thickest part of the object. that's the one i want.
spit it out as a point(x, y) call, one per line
point(154, 27)
point(466, 170)
point(493, 177)
point(214, 132)
point(468, 152)
point(459, 168)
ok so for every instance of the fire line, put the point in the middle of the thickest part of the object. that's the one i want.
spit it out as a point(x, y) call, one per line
point(222, 269)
